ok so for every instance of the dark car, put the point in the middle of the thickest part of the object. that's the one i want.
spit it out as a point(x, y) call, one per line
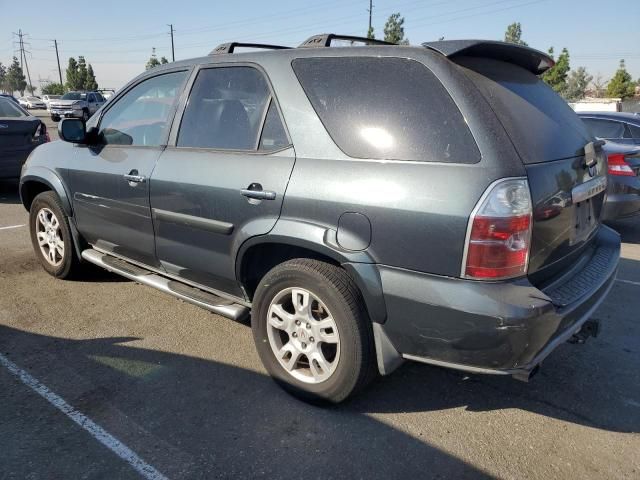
point(368, 204)
point(619, 127)
point(20, 133)
point(9, 97)
point(623, 190)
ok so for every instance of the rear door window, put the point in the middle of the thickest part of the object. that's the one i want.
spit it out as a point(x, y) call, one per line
point(386, 108)
point(635, 131)
point(229, 109)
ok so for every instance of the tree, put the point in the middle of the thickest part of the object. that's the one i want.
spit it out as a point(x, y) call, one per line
point(14, 78)
point(599, 84)
point(80, 76)
point(163, 60)
point(394, 30)
point(556, 76)
point(621, 85)
point(53, 89)
point(370, 33)
point(3, 77)
point(72, 75)
point(91, 83)
point(514, 34)
point(577, 84)
point(153, 62)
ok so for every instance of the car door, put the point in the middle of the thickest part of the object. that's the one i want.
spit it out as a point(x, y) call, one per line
point(110, 180)
point(92, 101)
point(223, 177)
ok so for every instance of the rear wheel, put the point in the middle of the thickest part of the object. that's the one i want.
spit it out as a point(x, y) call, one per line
point(85, 115)
point(51, 236)
point(312, 331)
point(55, 118)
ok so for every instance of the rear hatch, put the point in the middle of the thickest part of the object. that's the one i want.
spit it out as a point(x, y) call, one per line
point(565, 166)
point(17, 133)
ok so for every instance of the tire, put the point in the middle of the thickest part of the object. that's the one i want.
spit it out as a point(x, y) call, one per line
point(45, 208)
point(55, 118)
point(348, 365)
point(85, 115)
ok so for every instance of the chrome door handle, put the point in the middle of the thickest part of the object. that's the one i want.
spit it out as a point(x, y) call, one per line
point(135, 178)
point(258, 194)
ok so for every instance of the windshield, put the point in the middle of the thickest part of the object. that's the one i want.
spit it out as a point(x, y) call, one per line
point(54, 97)
point(74, 96)
point(8, 109)
point(33, 98)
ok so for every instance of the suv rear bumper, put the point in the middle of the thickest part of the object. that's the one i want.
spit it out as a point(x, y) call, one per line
point(499, 327)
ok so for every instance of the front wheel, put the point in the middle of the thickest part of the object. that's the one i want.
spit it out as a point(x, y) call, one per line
point(55, 118)
point(312, 331)
point(51, 236)
point(85, 115)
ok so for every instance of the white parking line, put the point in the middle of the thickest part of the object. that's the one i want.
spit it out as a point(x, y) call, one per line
point(12, 226)
point(95, 430)
point(628, 282)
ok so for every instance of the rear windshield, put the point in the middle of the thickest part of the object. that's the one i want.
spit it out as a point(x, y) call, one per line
point(8, 109)
point(386, 108)
point(540, 123)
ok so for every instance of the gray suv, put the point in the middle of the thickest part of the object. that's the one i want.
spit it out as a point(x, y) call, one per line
point(367, 204)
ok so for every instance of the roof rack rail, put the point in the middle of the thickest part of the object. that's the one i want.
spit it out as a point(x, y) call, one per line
point(231, 46)
point(325, 39)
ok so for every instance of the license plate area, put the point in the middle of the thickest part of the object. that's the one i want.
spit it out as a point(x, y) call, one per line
point(584, 221)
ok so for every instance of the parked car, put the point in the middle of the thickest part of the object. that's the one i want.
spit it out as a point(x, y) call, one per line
point(9, 97)
point(368, 204)
point(20, 133)
point(47, 99)
point(31, 102)
point(76, 104)
point(623, 190)
point(619, 127)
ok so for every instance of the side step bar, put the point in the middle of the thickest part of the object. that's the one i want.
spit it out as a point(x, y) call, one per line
point(185, 292)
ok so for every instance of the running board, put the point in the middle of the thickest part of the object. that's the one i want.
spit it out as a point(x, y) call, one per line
point(185, 292)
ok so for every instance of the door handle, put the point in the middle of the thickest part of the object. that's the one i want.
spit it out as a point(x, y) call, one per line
point(256, 192)
point(133, 177)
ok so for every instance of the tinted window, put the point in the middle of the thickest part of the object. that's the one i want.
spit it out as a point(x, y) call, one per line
point(91, 98)
point(273, 136)
point(539, 122)
point(99, 97)
point(74, 96)
point(635, 131)
point(8, 109)
point(142, 116)
point(386, 108)
point(605, 128)
point(225, 110)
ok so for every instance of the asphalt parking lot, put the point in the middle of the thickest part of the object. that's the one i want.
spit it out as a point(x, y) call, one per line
point(184, 391)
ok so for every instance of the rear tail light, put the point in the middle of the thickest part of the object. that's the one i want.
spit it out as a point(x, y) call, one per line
point(618, 166)
point(40, 134)
point(499, 232)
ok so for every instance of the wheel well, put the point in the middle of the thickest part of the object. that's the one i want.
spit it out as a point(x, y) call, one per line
point(30, 190)
point(259, 259)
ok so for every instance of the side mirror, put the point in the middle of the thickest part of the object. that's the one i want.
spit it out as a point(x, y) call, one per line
point(72, 130)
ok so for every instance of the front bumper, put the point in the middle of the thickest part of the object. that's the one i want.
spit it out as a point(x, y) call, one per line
point(66, 112)
point(493, 327)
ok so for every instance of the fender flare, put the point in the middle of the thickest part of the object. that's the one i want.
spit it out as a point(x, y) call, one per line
point(50, 178)
point(322, 240)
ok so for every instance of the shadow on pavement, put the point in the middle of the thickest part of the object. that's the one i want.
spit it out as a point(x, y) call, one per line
point(193, 418)
point(9, 192)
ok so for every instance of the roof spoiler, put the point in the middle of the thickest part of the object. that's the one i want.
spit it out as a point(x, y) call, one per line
point(528, 58)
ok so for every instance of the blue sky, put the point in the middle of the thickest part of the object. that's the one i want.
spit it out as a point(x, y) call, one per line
point(117, 36)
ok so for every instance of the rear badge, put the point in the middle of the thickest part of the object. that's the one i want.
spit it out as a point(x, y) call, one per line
point(588, 189)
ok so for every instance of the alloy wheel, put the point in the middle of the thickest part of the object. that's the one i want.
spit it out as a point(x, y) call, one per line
point(303, 335)
point(49, 235)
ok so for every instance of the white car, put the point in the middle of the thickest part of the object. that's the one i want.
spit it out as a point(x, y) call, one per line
point(47, 98)
point(31, 102)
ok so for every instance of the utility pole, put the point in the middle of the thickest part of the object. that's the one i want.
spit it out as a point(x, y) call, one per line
point(23, 56)
point(55, 43)
point(173, 53)
point(370, 10)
